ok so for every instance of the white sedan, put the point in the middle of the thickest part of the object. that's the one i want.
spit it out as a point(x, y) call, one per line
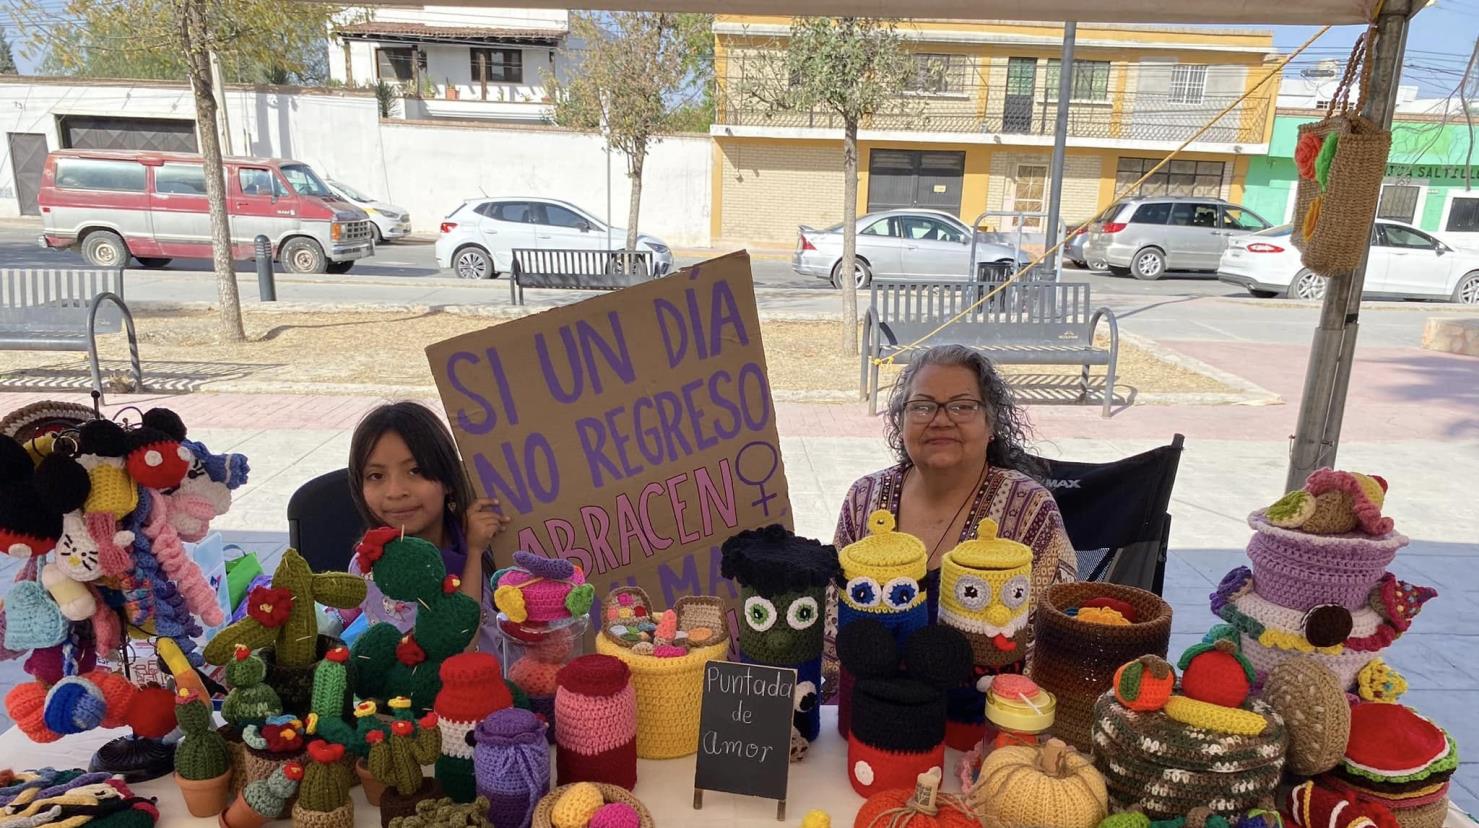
point(1405, 262)
point(388, 221)
point(477, 239)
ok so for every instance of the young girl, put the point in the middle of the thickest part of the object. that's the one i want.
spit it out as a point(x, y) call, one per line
point(404, 473)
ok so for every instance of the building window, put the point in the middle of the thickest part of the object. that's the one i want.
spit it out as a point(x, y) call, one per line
point(395, 63)
point(1090, 81)
point(1398, 202)
point(497, 65)
point(1463, 215)
point(1200, 179)
point(938, 74)
point(1188, 83)
point(1029, 194)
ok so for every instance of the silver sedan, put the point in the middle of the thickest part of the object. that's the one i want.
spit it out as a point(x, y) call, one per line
point(914, 244)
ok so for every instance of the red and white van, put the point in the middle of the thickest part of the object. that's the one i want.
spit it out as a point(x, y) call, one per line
point(152, 206)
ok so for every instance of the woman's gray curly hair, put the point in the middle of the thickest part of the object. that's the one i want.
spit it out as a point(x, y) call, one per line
point(1010, 430)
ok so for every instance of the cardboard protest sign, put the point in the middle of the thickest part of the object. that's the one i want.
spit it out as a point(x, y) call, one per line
point(630, 433)
point(744, 732)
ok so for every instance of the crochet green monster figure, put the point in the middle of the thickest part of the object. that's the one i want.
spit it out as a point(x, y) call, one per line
point(396, 760)
point(282, 617)
point(390, 664)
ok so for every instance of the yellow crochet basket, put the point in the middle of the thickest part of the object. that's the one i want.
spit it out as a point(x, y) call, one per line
point(668, 694)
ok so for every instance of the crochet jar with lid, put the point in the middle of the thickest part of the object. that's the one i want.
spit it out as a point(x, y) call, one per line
point(542, 608)
point(1076, 660)
point(596, 723)
point(539, 590)
point(985, 593)
point(666, 654)
point(1399, 759)
point(472, 689)
point(783, 583)
point(511, 761)
point(880, 579)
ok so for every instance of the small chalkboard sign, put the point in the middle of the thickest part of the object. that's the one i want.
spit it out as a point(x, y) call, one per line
point(744, 733)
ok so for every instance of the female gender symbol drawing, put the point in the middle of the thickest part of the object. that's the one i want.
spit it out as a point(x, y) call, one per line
point(766, 454)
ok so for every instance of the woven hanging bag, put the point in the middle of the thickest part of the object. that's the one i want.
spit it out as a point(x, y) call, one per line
point(1341, 161)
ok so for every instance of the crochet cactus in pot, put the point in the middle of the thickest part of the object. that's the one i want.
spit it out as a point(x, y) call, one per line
point(250, 701)
point(323, 795)
point(202, 764)
point(389, 663)
point(269, 797)
point(396, 760)
point(282, 617)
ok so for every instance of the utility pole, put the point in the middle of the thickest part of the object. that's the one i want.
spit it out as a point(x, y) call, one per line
point(218, 81)
point(1328, 378)
point(1060, 139)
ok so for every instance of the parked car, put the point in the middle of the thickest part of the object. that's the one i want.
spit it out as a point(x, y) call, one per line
point(1405, 262)
point(1073, 248)
point(478, 238)
point(387, 221)
point(152, 206)
point(923, 244)
point(1145, 237)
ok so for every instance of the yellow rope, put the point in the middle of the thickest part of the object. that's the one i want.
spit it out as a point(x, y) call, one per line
point(1272, 73)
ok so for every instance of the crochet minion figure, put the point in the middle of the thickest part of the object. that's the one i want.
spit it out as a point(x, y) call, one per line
point(783, 592)
point(985, 592)
point(880, 581)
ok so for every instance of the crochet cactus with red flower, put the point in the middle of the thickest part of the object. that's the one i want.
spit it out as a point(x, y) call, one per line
point(397, 759)
point(390, 663)
point(250, 700)
point(282, 616)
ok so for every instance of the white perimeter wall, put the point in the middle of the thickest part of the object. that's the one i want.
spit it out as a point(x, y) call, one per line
point(428, 168)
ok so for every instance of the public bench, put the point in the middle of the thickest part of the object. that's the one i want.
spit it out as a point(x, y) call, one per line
point(1034, 323)
point(577, 270)
point(56, 309)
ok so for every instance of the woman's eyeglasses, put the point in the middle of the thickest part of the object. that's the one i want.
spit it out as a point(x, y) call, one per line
point(960, 411)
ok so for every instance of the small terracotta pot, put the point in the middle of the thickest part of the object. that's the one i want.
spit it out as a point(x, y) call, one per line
point(340, 817)
point(374, 788)
point(241, 815)
point(205, 797)
point(393, 804)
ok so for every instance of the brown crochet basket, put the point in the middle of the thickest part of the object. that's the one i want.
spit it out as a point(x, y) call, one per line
point(1075, 660)
point(609, 793)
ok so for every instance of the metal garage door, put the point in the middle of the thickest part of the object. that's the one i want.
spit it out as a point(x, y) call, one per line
point(911, 178)
point(104, 132)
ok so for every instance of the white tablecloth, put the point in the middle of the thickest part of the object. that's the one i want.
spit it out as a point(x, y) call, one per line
point(665, 787)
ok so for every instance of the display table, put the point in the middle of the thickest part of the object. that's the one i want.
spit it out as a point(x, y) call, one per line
point(666, 787)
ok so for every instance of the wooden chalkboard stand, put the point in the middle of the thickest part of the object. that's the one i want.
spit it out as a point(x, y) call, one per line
point(698, 804)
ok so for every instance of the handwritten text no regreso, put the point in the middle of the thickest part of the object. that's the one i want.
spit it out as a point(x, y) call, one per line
point(580, 361)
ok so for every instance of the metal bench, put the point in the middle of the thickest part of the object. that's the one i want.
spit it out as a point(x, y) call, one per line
point(1035, 323)
point(57, 310)
point(577, 270)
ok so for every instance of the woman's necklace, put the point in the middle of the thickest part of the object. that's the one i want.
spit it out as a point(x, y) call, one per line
point(969, 496)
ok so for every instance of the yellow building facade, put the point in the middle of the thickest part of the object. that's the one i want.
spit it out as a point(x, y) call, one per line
point(973, 133)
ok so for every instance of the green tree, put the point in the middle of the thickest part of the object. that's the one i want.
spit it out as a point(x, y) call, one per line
point(7, 59)
point(848, 67)
point(637, 70)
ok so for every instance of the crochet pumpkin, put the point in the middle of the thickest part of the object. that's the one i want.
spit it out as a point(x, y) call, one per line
point(1047, 786)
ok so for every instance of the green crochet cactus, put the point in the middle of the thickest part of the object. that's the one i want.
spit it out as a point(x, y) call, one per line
point(250, 701)
point(396, 759)
point(392, 664)
point(326, 778)
point(201, 754)
point(445, 813)
point(330, 700)
point(269, 797)
point(282, 617)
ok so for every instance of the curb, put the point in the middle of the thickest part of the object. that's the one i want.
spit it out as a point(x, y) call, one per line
point(1421, 306)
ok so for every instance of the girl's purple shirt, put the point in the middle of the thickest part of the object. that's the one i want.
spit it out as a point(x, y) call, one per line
point(402, 614)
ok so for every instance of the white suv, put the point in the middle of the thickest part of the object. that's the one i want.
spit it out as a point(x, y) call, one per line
point(478, 238)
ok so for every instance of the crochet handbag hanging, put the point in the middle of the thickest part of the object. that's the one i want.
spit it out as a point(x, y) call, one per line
point(1341, 162)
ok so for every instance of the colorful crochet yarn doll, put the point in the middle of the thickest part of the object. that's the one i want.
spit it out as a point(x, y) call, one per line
point(323, 794)
point(265, 799)
point(783, 591)
point(389, 663)
point(202, 766)
point(880, 580)
point(396, 760)
point(511, 761)
point(250, 700)
point(596, 723)
point(282, 617)
point(985, 593)
point(898, 725)
point(472, 689)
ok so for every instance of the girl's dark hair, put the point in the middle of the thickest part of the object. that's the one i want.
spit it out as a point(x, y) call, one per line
point(1010, 430)
point(429, 441)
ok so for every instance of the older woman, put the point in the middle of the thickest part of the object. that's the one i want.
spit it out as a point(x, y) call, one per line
point(958, 439)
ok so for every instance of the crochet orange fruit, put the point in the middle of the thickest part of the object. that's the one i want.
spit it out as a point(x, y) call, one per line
point(1144, 684)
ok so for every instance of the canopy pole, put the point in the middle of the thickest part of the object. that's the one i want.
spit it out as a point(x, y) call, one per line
point(1327, 380)
point(1060, 139)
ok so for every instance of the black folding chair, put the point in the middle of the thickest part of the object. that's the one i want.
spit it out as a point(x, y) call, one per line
point(323, 524)
point(1116, 514)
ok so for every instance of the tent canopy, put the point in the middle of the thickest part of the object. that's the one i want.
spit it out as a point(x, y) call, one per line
point(1234, 12)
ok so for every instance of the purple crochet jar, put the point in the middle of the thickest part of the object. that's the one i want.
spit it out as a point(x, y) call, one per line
point(1302, 571)
point(511, 763)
